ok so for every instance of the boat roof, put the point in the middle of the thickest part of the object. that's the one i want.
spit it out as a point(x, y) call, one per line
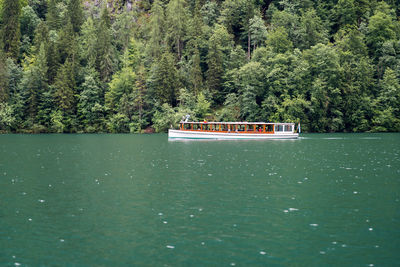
point(241, 123)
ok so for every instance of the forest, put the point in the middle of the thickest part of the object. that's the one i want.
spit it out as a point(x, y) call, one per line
point(126, 66)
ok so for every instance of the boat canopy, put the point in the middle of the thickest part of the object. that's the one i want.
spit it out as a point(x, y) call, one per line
point(238, 123)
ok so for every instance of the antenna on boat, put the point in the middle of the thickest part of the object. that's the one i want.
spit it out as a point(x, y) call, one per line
point(187, 118)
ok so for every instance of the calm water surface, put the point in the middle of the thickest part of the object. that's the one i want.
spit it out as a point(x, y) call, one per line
point(118, 200)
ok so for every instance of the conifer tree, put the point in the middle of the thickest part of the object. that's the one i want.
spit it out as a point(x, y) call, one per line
point(177, 21)
point(140, 92)
point(34, 83)
point(156, 32)
point(88, 43)
point(75, 14)
point(90, 109)
point(196, 76)
point(3, 78)
point(165, 79)
point(52, 16)
point(10, 28)
point(105, 49)
point(64, 88)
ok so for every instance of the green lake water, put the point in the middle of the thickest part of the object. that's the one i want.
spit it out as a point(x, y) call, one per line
point(141, 200)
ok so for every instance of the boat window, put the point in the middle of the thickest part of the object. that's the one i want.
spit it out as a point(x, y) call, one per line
point(186, 126)
point(240, 128)
point(269, 128)
point(288, 128)
point(278, 128)
point(259, 128)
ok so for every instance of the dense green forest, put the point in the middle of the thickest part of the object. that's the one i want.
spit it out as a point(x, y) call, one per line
point(138, 66)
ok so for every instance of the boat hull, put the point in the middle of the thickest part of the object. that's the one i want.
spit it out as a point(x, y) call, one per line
point(179, 134)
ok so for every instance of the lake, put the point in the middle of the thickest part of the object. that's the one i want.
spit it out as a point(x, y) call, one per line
point(120, 200)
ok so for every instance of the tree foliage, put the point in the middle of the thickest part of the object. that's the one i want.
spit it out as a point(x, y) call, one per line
point(139, 66)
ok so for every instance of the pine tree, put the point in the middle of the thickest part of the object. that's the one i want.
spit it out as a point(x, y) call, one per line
point(105, 49)
point(52, 16)
point(64, 88)
point(156, 32)
point(177, 21)
point(75, 14)
point(88, 43)
point(165, 79)
point(11, 27)
point(90, 108)
point(34, 83)
point(3, 78)
point(196, 73)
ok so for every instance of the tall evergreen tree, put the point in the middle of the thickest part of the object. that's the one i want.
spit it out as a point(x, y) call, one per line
point(156, 31)
point(3, 78)
point(164, 80)
point(177, 24)
point(65, 89)
point(75, 14)
point(52, 16)
point(34, 83)
point(105, 50)
point(10, 30)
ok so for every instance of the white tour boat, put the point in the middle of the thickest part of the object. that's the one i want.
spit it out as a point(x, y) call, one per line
point(234, 130)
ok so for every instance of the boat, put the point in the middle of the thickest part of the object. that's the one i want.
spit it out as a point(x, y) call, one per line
point(234, 130)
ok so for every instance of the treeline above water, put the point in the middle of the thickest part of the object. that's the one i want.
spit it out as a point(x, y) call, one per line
point(138, 66)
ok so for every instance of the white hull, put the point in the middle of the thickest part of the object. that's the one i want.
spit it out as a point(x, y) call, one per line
point(229, 136)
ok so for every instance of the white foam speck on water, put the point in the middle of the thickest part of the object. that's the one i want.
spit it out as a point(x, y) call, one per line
point(13, 256)
point(49, 185)
point(285, 211)
point(17, 264)
point(322, 252)
point(344, 245)
point(170, 246)
point(293, 209)
point(334, 242)
point(62, 240)
point(233, 264)
point(263, 252)
point(30, 219)
point(370, 229)
point(370, 265)
point(209, 174)
point(191, 215)
point(355, 192)
point(24, 193)
point(200, 209)
point(41, 200)
point(314, 224)
point(160, 214)
point(299, 182)
point(165, 222)
point(202, 243)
